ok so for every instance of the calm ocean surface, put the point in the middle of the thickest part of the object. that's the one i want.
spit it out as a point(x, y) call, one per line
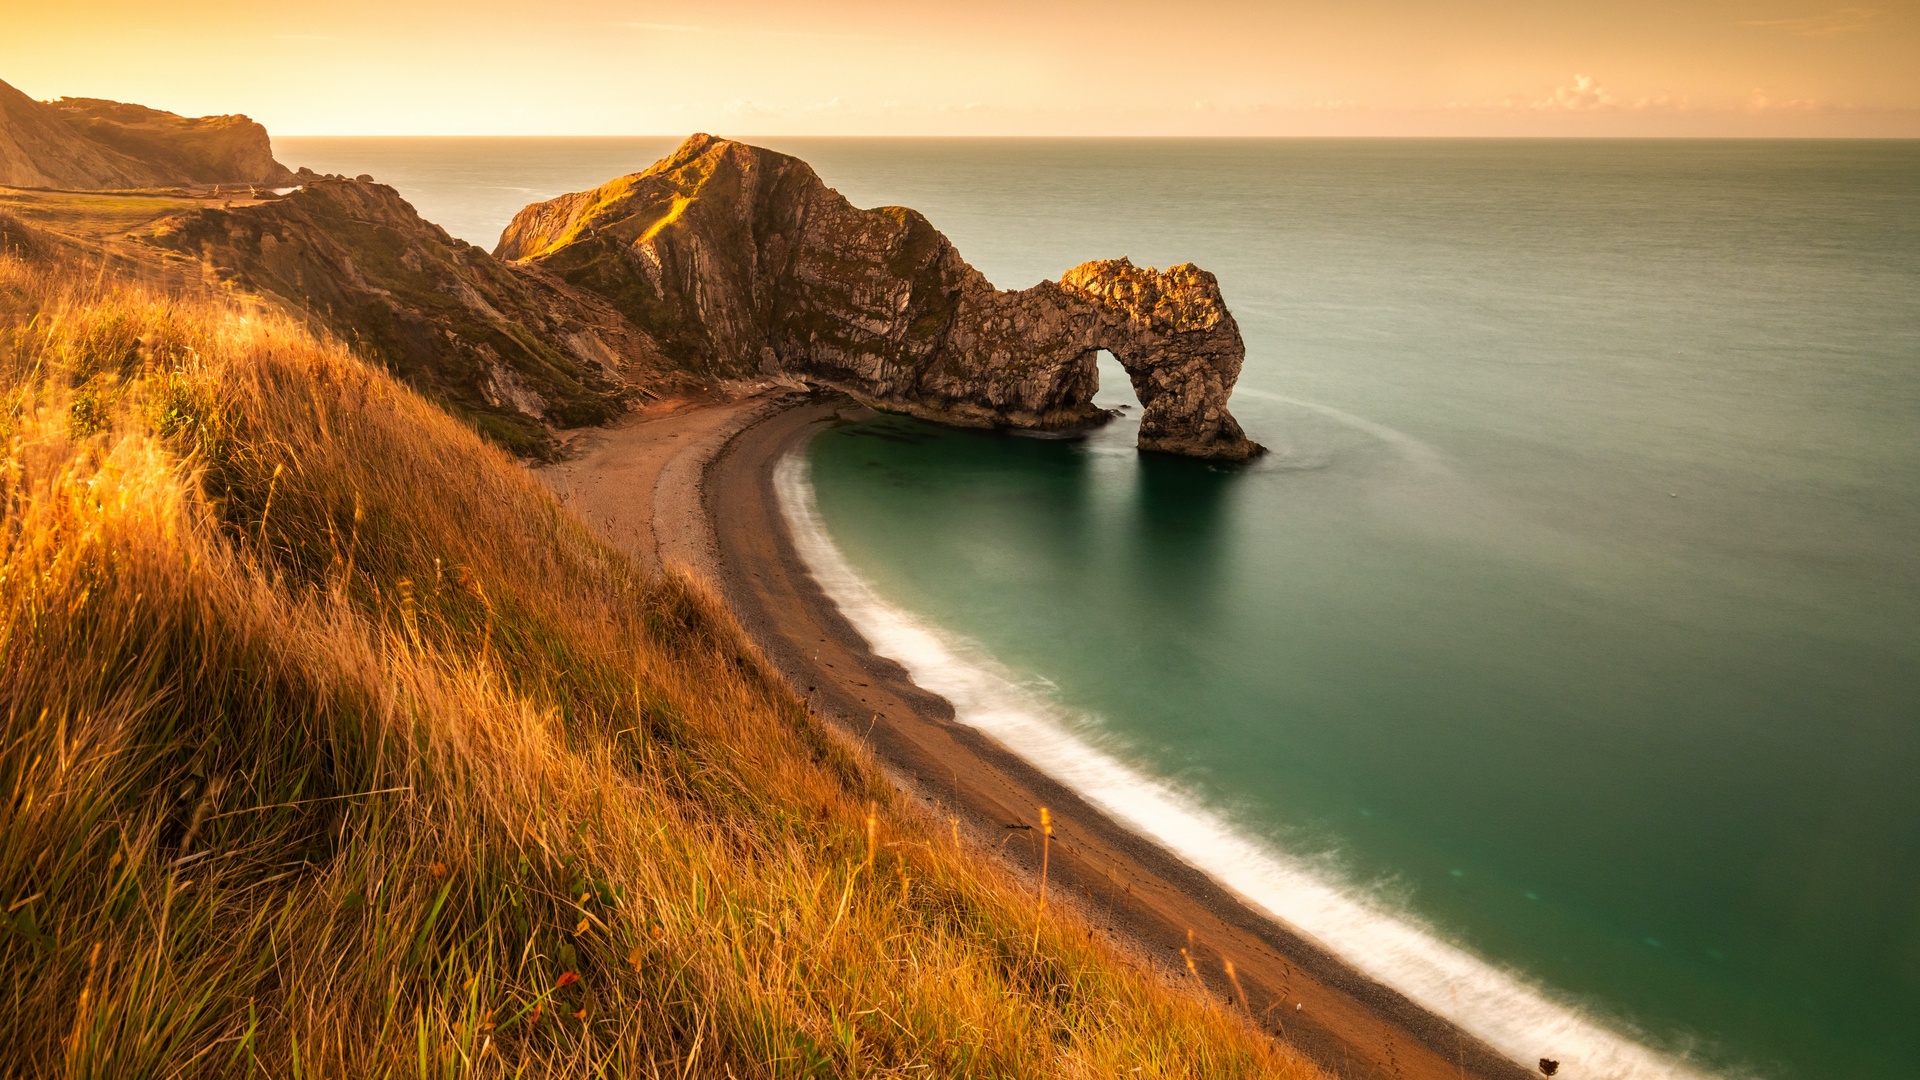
point(1563, 658)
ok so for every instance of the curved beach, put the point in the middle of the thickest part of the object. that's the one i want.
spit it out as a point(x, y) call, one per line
point(692, 483)
point(1147, 898)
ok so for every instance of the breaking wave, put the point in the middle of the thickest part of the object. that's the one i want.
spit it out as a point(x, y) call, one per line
point(1500, 1006)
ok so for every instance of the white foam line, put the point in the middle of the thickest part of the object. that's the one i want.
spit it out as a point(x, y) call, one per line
point(1501, 1007)
point(1415, 451)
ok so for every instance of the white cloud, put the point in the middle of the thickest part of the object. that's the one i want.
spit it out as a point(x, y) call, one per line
point(1582, 95)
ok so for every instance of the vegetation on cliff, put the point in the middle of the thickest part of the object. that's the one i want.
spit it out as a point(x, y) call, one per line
point(335, 746)
point(738, 260)
point(511, 349)
point(92, 144)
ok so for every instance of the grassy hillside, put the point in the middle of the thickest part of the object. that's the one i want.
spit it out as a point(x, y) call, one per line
point(511, 350)
point(330, 745)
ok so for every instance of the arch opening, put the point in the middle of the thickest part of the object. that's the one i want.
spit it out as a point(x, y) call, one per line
point(1113, 386)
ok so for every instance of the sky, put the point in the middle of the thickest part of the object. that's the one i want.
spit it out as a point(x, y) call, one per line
point(989, 67)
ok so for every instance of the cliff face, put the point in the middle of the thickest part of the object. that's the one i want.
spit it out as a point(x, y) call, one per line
point(38, 148)
point(195, 150)
point(511, 348)
point(90, 144)
point(740, 261)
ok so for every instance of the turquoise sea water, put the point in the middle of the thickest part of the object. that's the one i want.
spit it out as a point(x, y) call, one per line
point(1575, 617)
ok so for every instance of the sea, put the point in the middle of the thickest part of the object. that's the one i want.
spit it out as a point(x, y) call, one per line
point(1560, 663)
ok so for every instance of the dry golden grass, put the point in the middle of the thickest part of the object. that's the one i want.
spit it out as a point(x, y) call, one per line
point(332, 746)
point(101, 215)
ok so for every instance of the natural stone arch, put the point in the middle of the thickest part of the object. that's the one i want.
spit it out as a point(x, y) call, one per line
point(1181, 349)
point(740, 262)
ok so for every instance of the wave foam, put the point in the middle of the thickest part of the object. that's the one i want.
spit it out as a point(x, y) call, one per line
point(1420, 454)
point(1501, 1007)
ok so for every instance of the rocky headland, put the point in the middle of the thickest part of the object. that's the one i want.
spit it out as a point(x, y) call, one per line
point(94, 145)
point(739, 261)
point(723, 265)
point(514, 350)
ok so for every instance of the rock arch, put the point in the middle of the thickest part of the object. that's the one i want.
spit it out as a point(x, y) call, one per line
point(740, 262)
point(1180, 347)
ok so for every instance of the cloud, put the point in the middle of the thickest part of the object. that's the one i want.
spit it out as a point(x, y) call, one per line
point(1833, 23)
point(1759, 101)
point(1586, 95)
point(1582, 95)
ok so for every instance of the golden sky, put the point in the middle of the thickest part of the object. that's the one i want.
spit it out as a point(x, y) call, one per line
point(1068, 67)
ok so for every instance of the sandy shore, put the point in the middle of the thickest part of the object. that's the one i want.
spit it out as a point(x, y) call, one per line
point(691, 483)
point(639, 480)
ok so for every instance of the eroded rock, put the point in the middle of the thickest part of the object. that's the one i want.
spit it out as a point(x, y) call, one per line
point(512, 349)
point(1180, 346)
point(91, 144)
point(181, 149)
point(740, 262)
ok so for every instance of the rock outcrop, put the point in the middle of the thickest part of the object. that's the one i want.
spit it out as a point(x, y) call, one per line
point(187, 150)
point(739, 261)
point(1172, 333)
point(514, 350)
point(90, 144)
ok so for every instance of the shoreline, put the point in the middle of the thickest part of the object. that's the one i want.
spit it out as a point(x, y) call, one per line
point(692, 483)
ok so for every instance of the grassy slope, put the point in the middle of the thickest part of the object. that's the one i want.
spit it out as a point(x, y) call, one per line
point(355, 259)
point(333, 746)
point(94, 215)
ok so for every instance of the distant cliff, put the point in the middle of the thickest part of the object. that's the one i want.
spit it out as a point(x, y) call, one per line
point(90, 144)
point(739, 261)
point(511, 348)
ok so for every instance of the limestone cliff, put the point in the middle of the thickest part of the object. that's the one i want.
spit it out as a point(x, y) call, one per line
point(189, 150)
point(737, 261)
point(511, 348)
point(90, 144)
